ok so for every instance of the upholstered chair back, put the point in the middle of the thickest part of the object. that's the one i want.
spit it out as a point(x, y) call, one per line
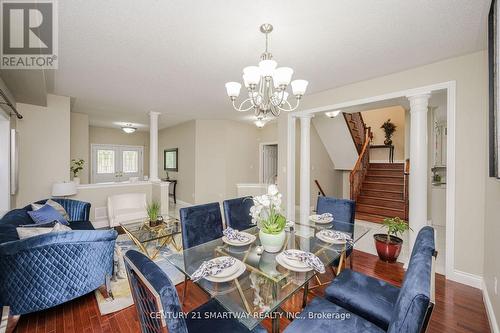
point(155, 296)
point(415, 294)
point(77, 210)
point(343, 210)
point(237, 213)
point(200, 224)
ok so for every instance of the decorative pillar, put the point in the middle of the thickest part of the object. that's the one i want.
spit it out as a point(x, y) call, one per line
point(418, 164)
point(153, 146)
point(305, 168)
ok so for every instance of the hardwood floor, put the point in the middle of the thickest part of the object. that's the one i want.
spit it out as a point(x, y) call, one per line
point(459, 308)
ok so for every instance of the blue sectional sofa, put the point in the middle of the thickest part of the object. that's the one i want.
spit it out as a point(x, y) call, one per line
point(43, 271)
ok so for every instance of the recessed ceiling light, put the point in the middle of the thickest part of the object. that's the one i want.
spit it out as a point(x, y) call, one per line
point(129, 129)
point(332, 114)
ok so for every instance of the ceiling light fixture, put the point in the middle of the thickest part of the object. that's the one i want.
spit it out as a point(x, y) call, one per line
point(332, 114)
point(129, 129)
point(260, 123)
point(267, 85)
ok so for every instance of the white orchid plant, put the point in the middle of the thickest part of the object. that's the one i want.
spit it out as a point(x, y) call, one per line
point(266, 211)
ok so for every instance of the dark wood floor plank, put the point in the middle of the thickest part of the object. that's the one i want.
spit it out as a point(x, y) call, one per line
point(459, 308)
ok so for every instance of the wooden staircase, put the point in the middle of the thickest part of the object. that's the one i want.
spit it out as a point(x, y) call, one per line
point(382, 193)
point(379, 189)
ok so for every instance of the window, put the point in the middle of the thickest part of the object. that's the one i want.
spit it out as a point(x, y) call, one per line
point(112, 163)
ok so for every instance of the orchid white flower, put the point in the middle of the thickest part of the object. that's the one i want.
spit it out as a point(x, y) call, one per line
point(272, 190)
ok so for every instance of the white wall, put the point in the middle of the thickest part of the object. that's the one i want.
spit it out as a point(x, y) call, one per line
point(181, 136)
point(470, 74)
point(375, 119)
point(4, 163)
point(44, 148)
point(80, 143)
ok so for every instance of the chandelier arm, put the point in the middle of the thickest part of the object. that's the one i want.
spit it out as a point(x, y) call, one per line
point(275, 111)
point(240, 108)
point(290, 108)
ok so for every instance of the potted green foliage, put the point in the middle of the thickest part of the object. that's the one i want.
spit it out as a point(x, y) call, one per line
point(389, 129)
point(153, 211)
point(76, 167)
point(389, 244)
point(267, 214)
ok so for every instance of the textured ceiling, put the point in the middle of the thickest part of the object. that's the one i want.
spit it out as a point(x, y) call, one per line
point(121, 59)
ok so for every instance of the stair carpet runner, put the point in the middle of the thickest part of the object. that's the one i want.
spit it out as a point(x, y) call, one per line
point(382, 193)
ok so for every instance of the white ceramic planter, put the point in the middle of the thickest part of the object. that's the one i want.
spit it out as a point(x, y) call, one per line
point(272, 243)
point(76, 180)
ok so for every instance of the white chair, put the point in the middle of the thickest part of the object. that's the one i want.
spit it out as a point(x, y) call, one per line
point(126, 208)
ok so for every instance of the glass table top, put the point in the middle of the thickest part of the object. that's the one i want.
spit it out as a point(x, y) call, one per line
point(143, 233)
point(265, 284)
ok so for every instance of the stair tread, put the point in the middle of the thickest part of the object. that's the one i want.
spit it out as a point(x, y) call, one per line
point(374, 218)
point(361, 196)
point(383, 183)
point(378, 207)
point(381, 190)
point(383, 176)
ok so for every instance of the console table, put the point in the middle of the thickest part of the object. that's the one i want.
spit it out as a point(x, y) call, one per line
point(171, 190)
point(391, 150)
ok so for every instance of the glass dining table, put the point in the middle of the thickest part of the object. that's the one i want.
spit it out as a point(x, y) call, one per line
point(265, 285)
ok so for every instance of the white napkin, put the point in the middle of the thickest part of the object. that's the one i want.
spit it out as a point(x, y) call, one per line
point(233, 234)
point(307, 258)
point(212, 267)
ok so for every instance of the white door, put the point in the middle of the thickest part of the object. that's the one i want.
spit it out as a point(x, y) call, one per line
point(269, 164)
point(111, 163)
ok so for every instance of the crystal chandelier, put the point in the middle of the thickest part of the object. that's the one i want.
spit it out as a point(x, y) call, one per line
point(267, 86)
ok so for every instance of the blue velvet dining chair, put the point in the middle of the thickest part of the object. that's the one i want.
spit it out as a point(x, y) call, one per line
point(371, 305)
point(343, 210)
point(237, 213)
point(199, 224)
point(158, 305)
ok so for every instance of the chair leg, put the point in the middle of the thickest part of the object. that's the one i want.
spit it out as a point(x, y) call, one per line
point(333, 271)
point(351, 259)
point(184, 289)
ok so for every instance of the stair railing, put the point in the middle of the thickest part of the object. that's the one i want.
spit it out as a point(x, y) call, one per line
point(358, 173)
point(320, 190)
point(406, 184)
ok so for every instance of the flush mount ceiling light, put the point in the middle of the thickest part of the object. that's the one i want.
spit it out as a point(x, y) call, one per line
point(129, 129)
point(260, 123)
point(332, 114)
point(267, 85)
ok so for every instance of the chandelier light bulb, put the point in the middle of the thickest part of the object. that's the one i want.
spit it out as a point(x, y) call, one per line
point(251, 74)
point(282, 76)
point(332, 114)
point(267, 67)
point(299, 87)
point(233, 89)
point(129, 129)
point(259, 123)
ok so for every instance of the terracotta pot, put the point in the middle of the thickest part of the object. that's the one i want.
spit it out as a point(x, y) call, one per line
point(388, 252)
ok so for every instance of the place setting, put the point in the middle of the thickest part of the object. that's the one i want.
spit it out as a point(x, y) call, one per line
point(300, 261)
point(334, 236)
point(220, 269)
point(321, 218)
point(237, 238)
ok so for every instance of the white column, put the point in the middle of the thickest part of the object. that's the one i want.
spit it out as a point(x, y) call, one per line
point(418, 164)
point(290, 169)
point(305, 168)
point(153, 146)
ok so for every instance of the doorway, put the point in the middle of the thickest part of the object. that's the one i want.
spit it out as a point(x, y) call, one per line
point(268, 170)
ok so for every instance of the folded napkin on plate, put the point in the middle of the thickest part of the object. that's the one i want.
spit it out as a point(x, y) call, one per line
point(212, 267)
point(307, 258)
point(337, 235)
point(233, 234)
point(326, 216)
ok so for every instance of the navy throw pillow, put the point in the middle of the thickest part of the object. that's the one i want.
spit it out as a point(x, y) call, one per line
point(47, 214)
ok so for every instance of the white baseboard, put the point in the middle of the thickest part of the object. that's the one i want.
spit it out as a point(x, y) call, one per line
point(469, 279)
point(489, 310)
point(101, 223)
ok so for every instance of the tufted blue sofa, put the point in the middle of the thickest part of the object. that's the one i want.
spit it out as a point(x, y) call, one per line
point(40, 272)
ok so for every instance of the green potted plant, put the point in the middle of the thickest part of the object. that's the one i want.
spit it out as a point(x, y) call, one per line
point(389, 245)
point(389, 129)
point(267, 214)
point(153, 210)
point(76, 167)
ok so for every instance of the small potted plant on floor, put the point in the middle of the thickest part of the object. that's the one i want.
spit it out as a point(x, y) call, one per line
point(389, 129)
point(389, 245)
point(267, 214)
point(76, 167)
point(153, 211)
